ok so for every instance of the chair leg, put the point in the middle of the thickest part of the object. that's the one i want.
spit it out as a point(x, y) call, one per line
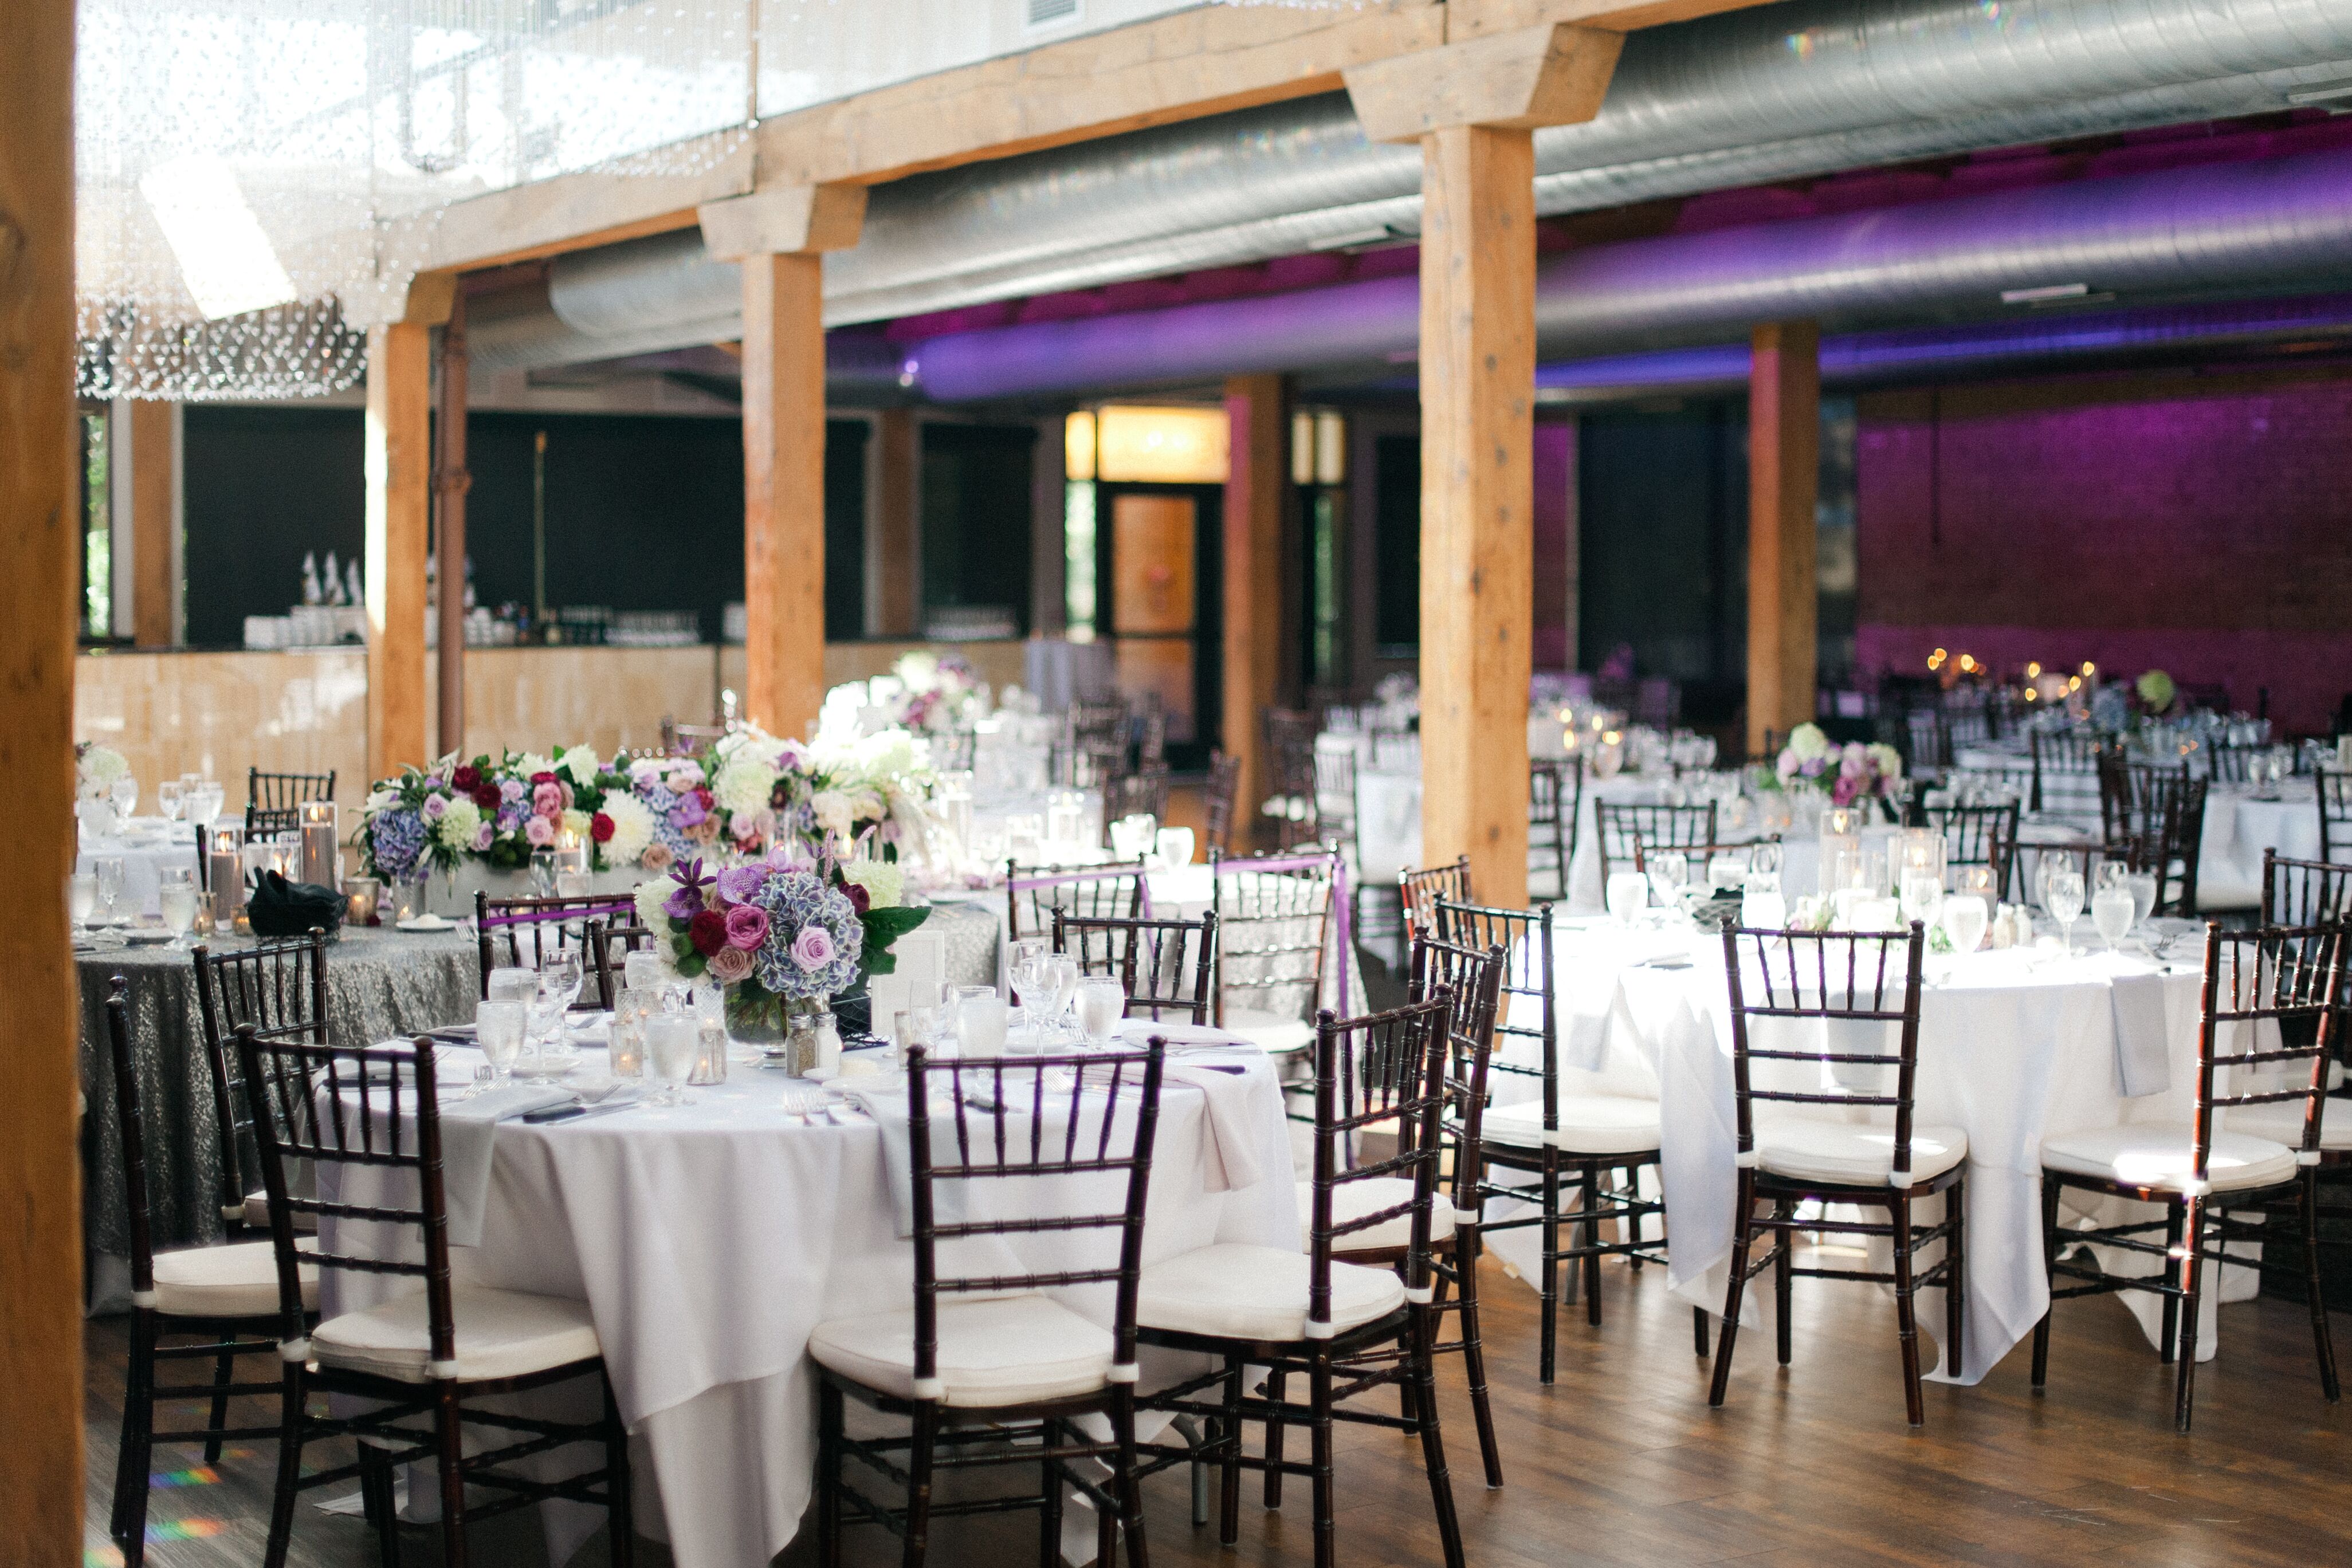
point(2192, 1281)
point(1422, 1369)
point(1547, 1291)
point(383, 1507)
point(134, 1457)
point(1274, 1380)
point(1956, 1278)
point(1474, 1352)
point(449, 1440)
point(1589, 1235)
point(1229, 1482)
point(2049, 1194)
point(919, 1486)
point(1049, 1499)
point(289, 1466)
point(2175, 1221)
point(224, 1374)
point(1906, 1317)
point(1129, 1489)
point(1728, 1336)
point(620, 1505)
point(1698, 1333)
point(1784, 1265)
point(1319, 1430)
point(829, 1415)
point(2321, 1342)
point(1637, 1222)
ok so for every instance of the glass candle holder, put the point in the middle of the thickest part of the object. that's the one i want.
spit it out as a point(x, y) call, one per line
point(363, 892)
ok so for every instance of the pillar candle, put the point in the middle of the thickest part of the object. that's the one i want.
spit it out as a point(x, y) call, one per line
point(321, 849)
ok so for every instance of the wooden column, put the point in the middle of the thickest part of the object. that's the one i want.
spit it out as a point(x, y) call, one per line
point(780, 236)
point(155, 521)
point(898, 556)
point(40, 1197)
point(1257, 480)
point(1784, 440)
point(399, 505)
point(450, 483)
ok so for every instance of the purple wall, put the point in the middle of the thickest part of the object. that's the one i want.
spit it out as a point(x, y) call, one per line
point(1555, 471)
point(2196, 523)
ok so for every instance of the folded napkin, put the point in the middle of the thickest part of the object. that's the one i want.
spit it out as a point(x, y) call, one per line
point(1228, 1156)
point(2143, 1044)
point(894, 1116)
point(469, 1130)
point(1132, 1033)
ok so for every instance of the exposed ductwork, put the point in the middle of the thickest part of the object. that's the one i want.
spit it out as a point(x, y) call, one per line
point(1776, 93)
point(2267, 225)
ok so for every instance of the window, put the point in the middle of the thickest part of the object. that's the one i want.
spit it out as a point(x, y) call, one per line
point(96, 525)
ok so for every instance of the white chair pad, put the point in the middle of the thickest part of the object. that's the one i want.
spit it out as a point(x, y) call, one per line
point(1233, 1291)
point(2282, 1122)
point(1851, 1155)
point(500, 1333)
point(1270, 1032)
point(257, 1215)
point(239, 1281)
point(2162, 1157)
point(1010, 1350)
point(1355, 1199)
point(1588, 1124)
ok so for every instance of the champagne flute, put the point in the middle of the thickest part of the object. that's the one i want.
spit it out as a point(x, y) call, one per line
point(498, 1032)
point(175, 895)
point(2111, 911)
point(2062, 897)
point(1102, 1002)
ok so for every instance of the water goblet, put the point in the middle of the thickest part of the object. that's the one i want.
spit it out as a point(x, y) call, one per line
point(170, 799)
point(673, 1042)
point(108, 869)
point(1061, 985)
point(1923, 897)
point(2111, 911)
point(175, 897)
point(81, 897)
point(561, 976)
point(1964, 917)
point(512, 985)
point(1669, 874)
point(1102, 1002)
point(2143, 890)
point(498, 1032)
point(124, 794)
point(2062, 898)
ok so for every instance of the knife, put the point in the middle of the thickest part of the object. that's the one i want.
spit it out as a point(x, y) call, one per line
point(574, 1113)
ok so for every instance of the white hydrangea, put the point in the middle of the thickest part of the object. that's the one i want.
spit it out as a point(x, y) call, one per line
point(633, 829)
point(578, 823)
point(1889, 760)
point(884, 881)
point(381, 801)
point(886, 754)
point(460, 824)
point(743, 783)
point(1808, 742)
point(581, 763)
point(650, 896)
point(532, 762)
point(835, 812)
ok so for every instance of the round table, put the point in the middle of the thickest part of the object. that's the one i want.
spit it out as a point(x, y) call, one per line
point(709, 1241)
point(151, 845)
point(2014, 1046)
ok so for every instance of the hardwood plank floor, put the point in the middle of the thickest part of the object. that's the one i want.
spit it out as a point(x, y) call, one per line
point(1621, 1462)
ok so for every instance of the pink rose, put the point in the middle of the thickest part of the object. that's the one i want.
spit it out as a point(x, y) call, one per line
point(747, 927)
point(482, 839)
point(657, 858)
point(812, 950)
point(730, 965)
point(539, 831)
point(547, 800)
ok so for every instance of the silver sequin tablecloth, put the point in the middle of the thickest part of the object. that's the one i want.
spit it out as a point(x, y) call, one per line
point(380, 983)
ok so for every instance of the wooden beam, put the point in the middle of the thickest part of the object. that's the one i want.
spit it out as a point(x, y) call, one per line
point(41, 1393)
point(1784, 449)
point(1257, 481)
point(154, 495)
point(450, 483)
point(785, 221)
point(1477, 497)
point(1470, 18)
point(784, 491)
point(1549, 75)
point(898, 557)
point(399, 505)
point(576, 212)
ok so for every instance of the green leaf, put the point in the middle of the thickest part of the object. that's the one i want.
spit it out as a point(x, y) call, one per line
point(692, 965)
point(889, 925)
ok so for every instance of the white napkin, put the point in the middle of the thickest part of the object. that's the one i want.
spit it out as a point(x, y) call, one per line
point(1132, 1033)
point(1230, 1160)
point(468, 1131)
point(2143, 1047)
point(892, 1115)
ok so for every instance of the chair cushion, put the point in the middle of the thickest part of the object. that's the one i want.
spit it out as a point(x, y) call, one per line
point(2160, 1157)
point(1354, 1200)
point(1588, 1124)
point(1270, 1032)
point(239, 1281)
point(500, 1333)
point(1010, 1350)
point(1233, 1291)
point(257, 1215)
point(2281, 1122)
point(1851, 1155)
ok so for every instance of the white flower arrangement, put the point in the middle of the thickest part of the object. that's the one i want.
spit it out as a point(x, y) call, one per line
point(633, 829)
point(96, 767)
point(884, 881)
point(460, 825)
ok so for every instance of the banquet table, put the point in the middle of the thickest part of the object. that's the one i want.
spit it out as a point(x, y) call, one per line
point(2014, 1046)
point(148, 844)
point(380, 982)
point(710, 1239)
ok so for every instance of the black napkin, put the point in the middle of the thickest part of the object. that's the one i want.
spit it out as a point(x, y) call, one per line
point(278, 908)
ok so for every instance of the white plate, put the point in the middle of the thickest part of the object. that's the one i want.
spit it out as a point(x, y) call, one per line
point(429, 922)
point(547, 1064)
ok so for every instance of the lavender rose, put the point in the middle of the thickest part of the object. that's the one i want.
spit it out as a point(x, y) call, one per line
point(482, 838)
point(813, 949)
point(539, 831)
point(747, 927)
point(729, 965)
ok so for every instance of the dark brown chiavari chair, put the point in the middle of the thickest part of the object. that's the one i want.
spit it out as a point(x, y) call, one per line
point(677, 739)
point(954, 750)
point(1555, 799)
point(1288, 775)
point(518, 933)
point(609, 945)
point(2130, 793)
point(1542, 1148)
point(1087, 764)
point(1418, 890)
point(284, 791)
point(1930, 738)
point(1980, 835)
point(2335, 791)
point(1101, 721)
point(1780, 983)
point(979, 1128)
point(1274, 926)
point(225, 1297)
point(1145, 791)
point(1335, 797)
point(2227, 764)
point(1971, 723)
point(1152, 737)
point(274, 986)
point(1620, 824)
point(373, 1117)
point(1219, 801)
point(2215, 1187)
point(2305, 892)
point(1345, 1329)
point(1032, 895)
point(2061, 752)
point(1165, 964)
point(266, 822)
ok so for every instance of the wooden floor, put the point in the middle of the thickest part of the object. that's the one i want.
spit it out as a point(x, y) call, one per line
point(1621, 1462)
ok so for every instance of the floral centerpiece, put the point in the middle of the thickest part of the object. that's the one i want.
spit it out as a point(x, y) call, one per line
point(925, 691)
point(785, 933)
point(96, 767)
point(494, 811)
point(2157, 692)
point(1849, 773)
point(875, 786)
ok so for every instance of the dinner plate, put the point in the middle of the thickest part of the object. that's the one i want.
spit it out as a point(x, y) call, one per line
point(429, 922)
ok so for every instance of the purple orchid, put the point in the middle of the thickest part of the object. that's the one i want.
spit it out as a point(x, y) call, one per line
point(687, 900)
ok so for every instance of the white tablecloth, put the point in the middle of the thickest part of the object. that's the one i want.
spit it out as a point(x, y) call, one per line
point(2012, 1048)
point(708, 1240)
point(2239, 828)
point(142, 857)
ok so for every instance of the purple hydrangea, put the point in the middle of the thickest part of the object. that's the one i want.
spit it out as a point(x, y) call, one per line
point(398, 836)
point(793, 902)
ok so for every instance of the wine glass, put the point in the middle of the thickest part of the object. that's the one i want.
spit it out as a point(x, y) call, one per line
point(1669, 874)
point(512, 985)
point(81, 897)
point(124, 794)
point(1061, 983)
point(2143, 890)
point(2111, 913)
point(1923, 897)
point(2062, 898)
point(1102, 1002)
point(170, 799)
point(673, 1042)
point(497, 1031)
point(108, 869)
point(561, 977)
point(1964, 916)
point(175, 895)
point(1628, 896)
point(204, 802)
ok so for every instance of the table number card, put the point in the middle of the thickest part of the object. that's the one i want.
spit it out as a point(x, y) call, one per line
point(922, 965)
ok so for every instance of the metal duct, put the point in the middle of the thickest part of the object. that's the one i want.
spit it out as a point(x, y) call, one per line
point(2270, 225)
point(1779, 92)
